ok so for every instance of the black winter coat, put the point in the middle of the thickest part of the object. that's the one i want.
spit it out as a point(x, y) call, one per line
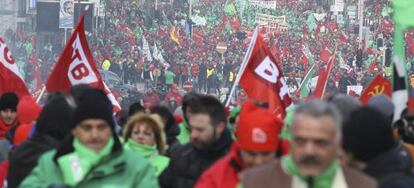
point(24, 158)
point(392, 168)
point(188, 163)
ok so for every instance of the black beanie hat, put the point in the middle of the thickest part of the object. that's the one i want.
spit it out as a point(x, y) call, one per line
point(93, 104)
point(367, 133)
point(9, 101)
point(55, 118)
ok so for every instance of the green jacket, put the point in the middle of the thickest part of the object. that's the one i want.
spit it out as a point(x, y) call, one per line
point(122, 169)
point(184, 136)
point(169, 77)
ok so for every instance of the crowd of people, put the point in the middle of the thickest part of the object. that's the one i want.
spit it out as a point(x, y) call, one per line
point(177, 133)
point(74, 140)
point(153, 48)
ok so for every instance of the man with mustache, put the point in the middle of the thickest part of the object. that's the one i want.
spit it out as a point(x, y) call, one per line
point(312, 162)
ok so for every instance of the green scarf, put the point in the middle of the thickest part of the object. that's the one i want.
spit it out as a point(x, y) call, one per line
point(144, 150)
point(77, 164)
point(324, 180)
point(158, 162)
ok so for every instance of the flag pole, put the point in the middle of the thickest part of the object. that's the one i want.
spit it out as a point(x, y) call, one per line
point(243, 65)
point(41, 94)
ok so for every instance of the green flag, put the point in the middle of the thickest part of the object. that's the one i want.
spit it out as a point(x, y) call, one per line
point(311, 22)
point(403, 17)
point(230, 9)
point(304, 86)
point(309, 54)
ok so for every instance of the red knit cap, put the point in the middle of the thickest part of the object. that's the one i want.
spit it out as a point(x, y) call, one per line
point(258, 129)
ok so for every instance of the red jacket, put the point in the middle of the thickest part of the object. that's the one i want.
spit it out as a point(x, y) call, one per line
point(223, 173)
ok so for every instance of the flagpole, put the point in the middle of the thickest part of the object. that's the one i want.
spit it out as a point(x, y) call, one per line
point(41, 94)
point(243, 65)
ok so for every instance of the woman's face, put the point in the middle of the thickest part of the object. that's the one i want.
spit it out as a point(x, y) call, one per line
point(143, 134)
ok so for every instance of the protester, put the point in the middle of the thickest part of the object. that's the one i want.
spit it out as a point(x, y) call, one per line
point(190, 102)
point(312, 161)
point(257, 140)
point(144, 134)
point(210, 140)
point(27, 113)
point(8, 108)
point(95, 147)
point(370, 146)
point(52, 126)
point(171, 128)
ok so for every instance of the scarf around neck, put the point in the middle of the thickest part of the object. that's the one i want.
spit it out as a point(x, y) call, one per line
point(77, 164)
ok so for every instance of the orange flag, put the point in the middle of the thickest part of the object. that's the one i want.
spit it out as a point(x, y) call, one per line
point(174, 36)
point(379, 85)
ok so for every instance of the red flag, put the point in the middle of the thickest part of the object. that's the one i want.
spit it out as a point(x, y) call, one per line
point(325, 55)
point(323, 78)
point(76, 66)
point(10, 78)
point(343, 37)
point(262, 78)
point(379, 85)
point(198, 37)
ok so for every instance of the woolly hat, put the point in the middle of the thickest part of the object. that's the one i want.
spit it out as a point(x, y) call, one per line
point(93, 104)
point(55, 118)
point(367, 133)
point(383, 104)
point(258, 129)
point(9, 101)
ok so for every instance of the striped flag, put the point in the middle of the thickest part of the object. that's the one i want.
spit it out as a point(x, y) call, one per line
point(304, 86)
point(403, 13)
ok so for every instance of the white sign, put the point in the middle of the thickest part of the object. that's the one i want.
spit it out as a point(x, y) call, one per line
point(355, 88)
point(66, 13)
point(273, 23)
point(319, 16)
point(264, 4)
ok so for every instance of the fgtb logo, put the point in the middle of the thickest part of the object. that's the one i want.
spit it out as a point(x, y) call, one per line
point(267, 70)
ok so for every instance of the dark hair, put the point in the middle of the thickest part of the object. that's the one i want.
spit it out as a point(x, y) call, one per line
point(191, 100)
point(213, 108)
point(171, 127)
point(134, 108)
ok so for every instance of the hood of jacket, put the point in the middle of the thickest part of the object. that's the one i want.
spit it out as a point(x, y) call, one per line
point(28, 110)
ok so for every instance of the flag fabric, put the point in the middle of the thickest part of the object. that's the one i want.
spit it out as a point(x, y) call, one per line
point(76, 66)
point(311, 23)
point(174, 36)
point(324, 77)
point(304, 86)
point(146, 49)
point(343, 37)
point(262, 78)
point(308, 54)
point(198, 37)
point(325, 55)
point(10, 77)
point(379, 85)
point(403, 12)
